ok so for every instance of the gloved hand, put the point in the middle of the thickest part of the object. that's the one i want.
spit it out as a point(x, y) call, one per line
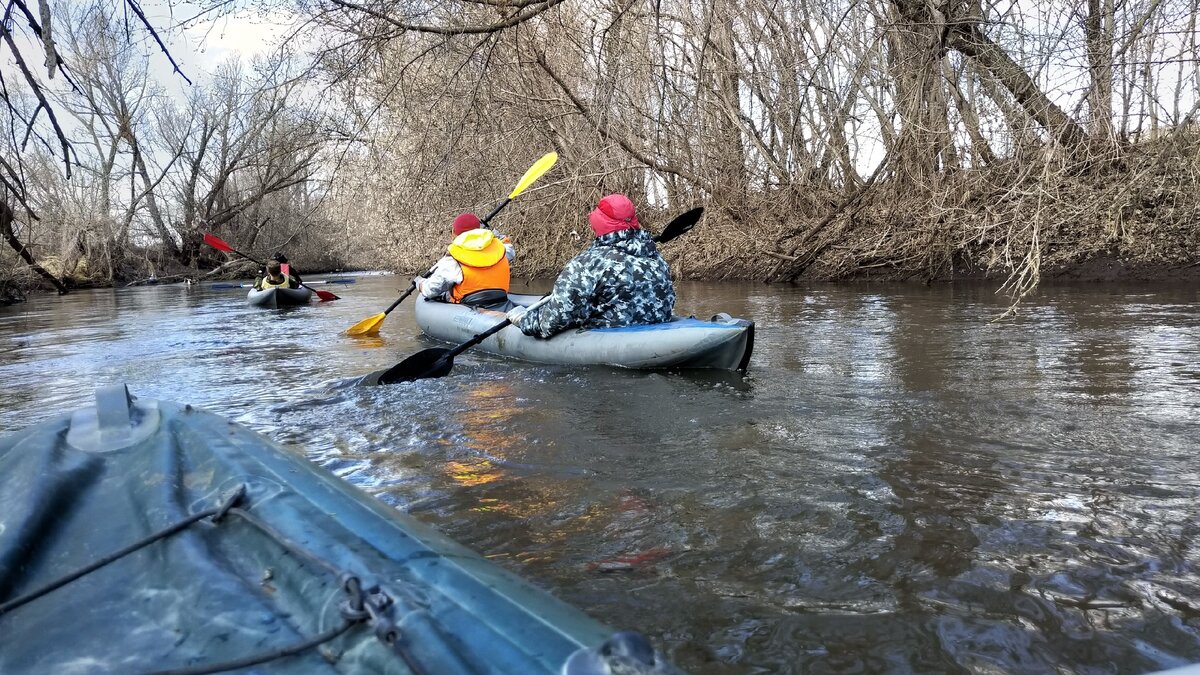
point(516, 313)
point(417, 282)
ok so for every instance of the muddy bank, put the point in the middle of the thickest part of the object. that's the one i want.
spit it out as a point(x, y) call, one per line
point(1112, 213)
point(10, 295)
point(1120, 213)
point(1116, 213)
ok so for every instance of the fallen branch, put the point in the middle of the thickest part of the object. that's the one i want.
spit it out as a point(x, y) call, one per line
point(187, 275)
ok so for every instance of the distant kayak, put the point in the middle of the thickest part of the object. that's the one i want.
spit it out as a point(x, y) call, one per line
point(722, 343)
point(204, 545)
point(279, 297)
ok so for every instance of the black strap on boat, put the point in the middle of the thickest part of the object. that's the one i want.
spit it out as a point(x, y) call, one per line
point(254, 660)
point(281, 539)
point(359, 606)
point(216, 514)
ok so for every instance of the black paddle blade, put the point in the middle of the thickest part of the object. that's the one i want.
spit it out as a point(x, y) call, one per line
point(680, 225)
point(427, 363)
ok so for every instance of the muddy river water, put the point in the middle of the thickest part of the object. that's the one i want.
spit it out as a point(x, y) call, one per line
point(898, 484)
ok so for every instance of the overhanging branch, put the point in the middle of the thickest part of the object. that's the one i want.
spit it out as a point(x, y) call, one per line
point(520, 17)
point(619, 139)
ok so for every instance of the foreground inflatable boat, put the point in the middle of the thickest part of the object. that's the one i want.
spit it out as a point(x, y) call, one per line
point(723, 343)
point(142, 536)
point(279, 297)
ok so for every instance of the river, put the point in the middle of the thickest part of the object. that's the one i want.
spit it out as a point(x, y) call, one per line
point(898, 484)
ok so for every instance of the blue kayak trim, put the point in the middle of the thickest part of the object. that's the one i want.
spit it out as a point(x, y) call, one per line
point(690, 322)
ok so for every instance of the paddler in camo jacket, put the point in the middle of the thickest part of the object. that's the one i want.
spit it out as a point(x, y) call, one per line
point(620, 280)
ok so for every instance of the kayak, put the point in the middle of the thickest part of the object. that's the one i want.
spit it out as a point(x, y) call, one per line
point(722, 343)
point(279, 297)
point(204, 547)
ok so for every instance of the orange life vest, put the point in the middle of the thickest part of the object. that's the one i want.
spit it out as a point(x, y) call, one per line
point(484, 265)
point(481, 279)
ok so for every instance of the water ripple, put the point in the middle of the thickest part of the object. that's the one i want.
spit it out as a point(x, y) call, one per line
point(898, 485)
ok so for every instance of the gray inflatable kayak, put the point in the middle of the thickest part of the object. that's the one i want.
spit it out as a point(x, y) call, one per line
point(140, 535)
point(723, 342)
point(279, 297)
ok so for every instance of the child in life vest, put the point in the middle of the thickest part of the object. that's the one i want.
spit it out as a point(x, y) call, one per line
point(475, 270)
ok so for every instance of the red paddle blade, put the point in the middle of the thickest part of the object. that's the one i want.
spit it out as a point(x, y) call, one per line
point(216, 243)
point(326, 295)
point(286, 269)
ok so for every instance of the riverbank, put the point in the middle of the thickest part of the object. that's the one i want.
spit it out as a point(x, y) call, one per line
point(16, 287)
point(1126, 213)
point(1102, 268)
point(1118, 213)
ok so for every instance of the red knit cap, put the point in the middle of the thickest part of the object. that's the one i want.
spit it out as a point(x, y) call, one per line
point(465, 222)
point(613, 213)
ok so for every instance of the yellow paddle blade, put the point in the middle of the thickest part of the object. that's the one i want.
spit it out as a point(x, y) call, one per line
point(535, 172)
point(369, 326)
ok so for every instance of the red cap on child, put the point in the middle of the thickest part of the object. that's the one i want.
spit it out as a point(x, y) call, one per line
point(465, 222)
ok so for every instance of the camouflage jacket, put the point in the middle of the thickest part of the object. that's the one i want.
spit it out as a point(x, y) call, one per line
point(620, 280)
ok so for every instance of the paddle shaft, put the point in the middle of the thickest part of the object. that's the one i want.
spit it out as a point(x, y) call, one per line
point(484, 221)
point(370, 325)
point(491, 331)
point(320, 281)
point(411, 287)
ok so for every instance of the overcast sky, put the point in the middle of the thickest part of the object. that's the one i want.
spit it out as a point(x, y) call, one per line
point(197, 44)
point(200, 44)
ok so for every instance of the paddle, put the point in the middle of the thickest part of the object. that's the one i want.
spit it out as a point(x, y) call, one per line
point(216, 243)
point(370, 325)
point(438, 361)
point(319, 281)
point(681, 224)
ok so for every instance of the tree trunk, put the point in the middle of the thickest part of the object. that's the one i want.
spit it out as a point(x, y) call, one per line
point(730, 177)
point(969, 39)
point(160, 224)
point(966, 111)
point(6, 229)
point(914, 52)
point(1098, 27)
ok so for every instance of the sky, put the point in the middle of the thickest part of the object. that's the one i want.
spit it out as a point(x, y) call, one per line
point(199, 45)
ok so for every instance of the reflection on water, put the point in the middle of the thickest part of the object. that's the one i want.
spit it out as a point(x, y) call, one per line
point(898, 484)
